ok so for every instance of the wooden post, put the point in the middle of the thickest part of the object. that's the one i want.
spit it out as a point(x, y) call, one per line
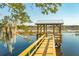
point(43, 29)
point(37, 30)
point(40, 30)
point(60, 34)
point(46, 30)
point(53, 29)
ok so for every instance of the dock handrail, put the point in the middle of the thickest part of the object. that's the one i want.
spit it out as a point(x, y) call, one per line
point(36, 44)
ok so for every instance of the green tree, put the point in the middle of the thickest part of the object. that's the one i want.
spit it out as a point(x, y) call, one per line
point(48, 7)
point(18, 12)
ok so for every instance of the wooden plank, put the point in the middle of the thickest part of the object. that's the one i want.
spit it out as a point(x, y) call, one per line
point(49, 54)
point(43, 45)
point(50, 46)
point(38, 54)
point(40, 50)
point(50, 50)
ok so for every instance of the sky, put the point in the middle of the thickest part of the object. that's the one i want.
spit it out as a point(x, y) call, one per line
point(68, 12)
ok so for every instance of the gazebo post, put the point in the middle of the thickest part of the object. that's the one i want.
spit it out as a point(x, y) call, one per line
point(46, 30)
point(41, 29)
point(53, 30)
point(60, 34)
point(37, 30)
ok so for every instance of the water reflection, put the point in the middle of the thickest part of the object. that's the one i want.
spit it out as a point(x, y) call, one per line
point(76, 34)
point(8, 36)
point(18, 46)
point(70, 44)
point(8, 44)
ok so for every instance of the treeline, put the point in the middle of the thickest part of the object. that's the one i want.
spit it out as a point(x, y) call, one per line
point(22, 27)
point(71, 27)
point(65, 27)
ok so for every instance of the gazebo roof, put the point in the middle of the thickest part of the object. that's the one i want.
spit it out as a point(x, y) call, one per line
point(49, 22)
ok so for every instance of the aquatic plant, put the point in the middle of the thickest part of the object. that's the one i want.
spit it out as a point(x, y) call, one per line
point(29, 40)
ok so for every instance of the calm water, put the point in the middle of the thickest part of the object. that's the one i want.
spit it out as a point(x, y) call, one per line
point(70, 45)
point(18, 47)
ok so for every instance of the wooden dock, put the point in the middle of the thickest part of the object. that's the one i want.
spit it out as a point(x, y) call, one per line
point(44, 46)
point(47, 48)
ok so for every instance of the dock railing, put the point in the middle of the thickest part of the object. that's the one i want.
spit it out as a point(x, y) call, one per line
point(32, 48)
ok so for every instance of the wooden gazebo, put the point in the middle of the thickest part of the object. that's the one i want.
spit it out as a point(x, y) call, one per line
point(56, 28)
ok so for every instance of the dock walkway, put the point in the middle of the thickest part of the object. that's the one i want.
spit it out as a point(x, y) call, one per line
point(47, 48)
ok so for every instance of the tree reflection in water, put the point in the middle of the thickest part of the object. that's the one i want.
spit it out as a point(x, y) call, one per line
point(8, 35)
